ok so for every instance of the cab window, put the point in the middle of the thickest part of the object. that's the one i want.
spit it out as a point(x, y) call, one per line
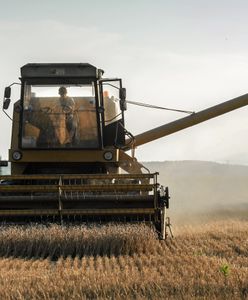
point(59, 116)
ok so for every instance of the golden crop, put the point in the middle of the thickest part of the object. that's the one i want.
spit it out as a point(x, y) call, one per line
point(124, 262)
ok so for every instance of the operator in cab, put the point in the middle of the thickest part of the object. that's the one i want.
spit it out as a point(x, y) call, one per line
point(71, 121)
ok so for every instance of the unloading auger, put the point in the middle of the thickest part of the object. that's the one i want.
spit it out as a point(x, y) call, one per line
point(68, 150)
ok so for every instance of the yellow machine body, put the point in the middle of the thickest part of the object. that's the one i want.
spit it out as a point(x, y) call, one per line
point(68, 150)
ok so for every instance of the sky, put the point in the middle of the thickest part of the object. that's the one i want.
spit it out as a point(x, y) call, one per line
point(181, 54)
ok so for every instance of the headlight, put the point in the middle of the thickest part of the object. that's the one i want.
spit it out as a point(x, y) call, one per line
point(108, 155)
point(16, 155)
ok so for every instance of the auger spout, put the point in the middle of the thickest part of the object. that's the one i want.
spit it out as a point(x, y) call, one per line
point(193, 119)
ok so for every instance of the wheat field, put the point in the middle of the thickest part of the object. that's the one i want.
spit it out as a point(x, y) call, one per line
point(207, 261)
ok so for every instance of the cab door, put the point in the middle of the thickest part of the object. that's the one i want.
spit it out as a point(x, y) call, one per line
point(113, 117)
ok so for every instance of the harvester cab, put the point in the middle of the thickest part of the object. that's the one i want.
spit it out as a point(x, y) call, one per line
point(68, 150)
point(66, 107)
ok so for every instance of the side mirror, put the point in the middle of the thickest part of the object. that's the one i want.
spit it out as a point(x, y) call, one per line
point(6, 103)
point(122, 96)
point(7, 92)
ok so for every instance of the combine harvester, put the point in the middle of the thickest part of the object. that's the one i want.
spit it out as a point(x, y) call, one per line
point(68, 150)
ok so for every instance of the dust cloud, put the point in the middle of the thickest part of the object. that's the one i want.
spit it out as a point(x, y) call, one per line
point(204, 191)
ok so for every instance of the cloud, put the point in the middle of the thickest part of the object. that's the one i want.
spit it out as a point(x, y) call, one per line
point(53, 40)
